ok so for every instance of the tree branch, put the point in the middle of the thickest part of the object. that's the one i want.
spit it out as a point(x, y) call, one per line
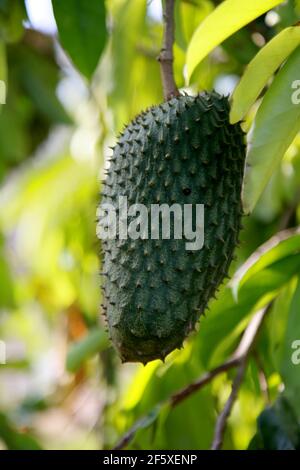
point(222, 420)
point(239, 358)
point(243, 352)
point(166, 54)
point(263, 382)
point(178, 397)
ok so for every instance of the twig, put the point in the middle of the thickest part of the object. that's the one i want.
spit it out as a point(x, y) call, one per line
point(243, 352)
point(289, 213)
point(238, 358)
point(127, 438)
point(263, 382)
point(222, 420)
point(178, 397)
point(166, 54)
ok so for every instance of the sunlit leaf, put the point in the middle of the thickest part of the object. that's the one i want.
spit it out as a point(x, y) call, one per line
point(133, 57)
point(260, 69)
point(225, 20)
point(276, 124)
point(6, 285)
point(188, 15)
point(155, 383)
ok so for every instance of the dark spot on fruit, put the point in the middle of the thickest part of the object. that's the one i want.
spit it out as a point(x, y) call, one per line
point(186, 191)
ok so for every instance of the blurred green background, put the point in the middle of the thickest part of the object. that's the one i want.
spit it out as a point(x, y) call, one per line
point(62, 386)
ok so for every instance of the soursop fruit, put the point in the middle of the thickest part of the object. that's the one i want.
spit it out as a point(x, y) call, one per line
point(183, 151)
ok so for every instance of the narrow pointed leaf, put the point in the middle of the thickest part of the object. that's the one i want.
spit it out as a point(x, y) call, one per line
point(225, 20)
point(82, 31)
point(275, 126)
point(261, 69)
point(282, 244)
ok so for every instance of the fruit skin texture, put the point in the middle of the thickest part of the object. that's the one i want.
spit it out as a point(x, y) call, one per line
point(183, 151)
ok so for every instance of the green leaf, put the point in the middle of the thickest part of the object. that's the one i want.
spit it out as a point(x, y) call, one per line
point(226, 313)
point(7, 297)
point(276, 324)
point(198, 437)
point(12, 15)
point(127, 94)
point(82, 31)
point(93, 343)
point(13, 128)
point(146, 423)
point(279, 246)
point(274, 128)
point(188, 15)
point(225, 20)
point(3, 73)
point(39, 78)
point(3, 62)
point(260, 69)
point(154, 384)
point(6, 288)
point(289, 369)
point(14, 439)
point(278, 428)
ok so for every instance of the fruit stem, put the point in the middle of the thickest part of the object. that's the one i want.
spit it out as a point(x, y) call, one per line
point(166, 57)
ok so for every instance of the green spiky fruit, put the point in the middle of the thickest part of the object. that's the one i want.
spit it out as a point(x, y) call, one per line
point(183, 151)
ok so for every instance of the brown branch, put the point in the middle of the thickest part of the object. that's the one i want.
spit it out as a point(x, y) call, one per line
point(289, 213)
point(238, 359)
point(166, 54)
point(243, 352)
point(249, 338)
point(127, 438)
point(263, 382)
point(178, 397)
point(222, 419)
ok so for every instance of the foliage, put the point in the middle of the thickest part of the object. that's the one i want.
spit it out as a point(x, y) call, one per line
point(82, 31)
point(228, 18)
point(55, 131)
